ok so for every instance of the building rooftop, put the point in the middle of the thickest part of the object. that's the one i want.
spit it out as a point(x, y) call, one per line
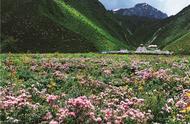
point(153, 46)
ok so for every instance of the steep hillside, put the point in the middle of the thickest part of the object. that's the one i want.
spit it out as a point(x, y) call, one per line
point(181, 45)
point(172, 28)
point(26, 28)
point(84, 26)
point(96, 12)
point(161, 32)
point(141, 29)
point(49, 26)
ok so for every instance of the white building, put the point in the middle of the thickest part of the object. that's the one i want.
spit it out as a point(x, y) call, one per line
point(153, 47)
point(141, 49)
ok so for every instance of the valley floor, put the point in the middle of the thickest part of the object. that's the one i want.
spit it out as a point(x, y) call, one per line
point(94, 88)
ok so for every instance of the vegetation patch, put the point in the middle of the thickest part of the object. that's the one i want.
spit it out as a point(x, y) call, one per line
point(94, 88)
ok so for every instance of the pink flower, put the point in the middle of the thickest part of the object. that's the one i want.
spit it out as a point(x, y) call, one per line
point(170, 101)
point(72, 114)
point(53, 122)
point(58, 74)
point(51, 98)
point(167, 108)
point(80, 102)
point(63, 95)
point(48, 116)
point(10, 100)
point(161, 74)
point(92, 115)
point(55, 106)
point(107, 72)
point(181, 104)
point(108, 113)
point(33, 68)
point(99, 120)
point(135, 114)
point(118, 122)
point(62, 113)
point(145, 74)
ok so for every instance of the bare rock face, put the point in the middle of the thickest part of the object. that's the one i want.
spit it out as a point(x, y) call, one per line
point(143, 10)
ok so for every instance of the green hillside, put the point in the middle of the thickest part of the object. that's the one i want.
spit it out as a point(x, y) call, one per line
point(50, 26)
point(139, 28)
point(172, 28)
point(181, 45)
point(160, 32)
point(25, 28)
point(96, 12)
point(83, 26)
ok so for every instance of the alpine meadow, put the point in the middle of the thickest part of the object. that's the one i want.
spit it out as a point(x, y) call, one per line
point(95, 62)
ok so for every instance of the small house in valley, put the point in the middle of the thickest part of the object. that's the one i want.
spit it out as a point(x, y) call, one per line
point(141, 49)
point(153, 47)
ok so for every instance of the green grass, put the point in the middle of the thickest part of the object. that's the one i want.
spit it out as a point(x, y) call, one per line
point(181, 45)
point(97, 13)
point(89, 29)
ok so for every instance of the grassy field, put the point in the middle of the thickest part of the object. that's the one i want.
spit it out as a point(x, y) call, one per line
point(181, 45)
point(94, 88)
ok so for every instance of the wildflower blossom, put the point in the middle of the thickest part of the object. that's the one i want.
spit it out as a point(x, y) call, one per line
point(48, 116)
point(53, 122)
point(51, 98)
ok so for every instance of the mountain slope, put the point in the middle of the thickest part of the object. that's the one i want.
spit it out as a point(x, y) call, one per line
point(141, 29)
point(181, 45)
point(49, 26)
point(96, 12)
point(143, 21)
point(25, 28)
point(142, 10)
point(173, 29)
point(84, 26)
point(166, 32)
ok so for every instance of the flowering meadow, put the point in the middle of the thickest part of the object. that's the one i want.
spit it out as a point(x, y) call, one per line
point(94, 89)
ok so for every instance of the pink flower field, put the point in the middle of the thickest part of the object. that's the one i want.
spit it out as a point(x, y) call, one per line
point(94, 89)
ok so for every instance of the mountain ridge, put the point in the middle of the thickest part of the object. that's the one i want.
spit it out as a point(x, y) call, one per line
point(173, 29)
point(65, 26)
point(142, 10)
